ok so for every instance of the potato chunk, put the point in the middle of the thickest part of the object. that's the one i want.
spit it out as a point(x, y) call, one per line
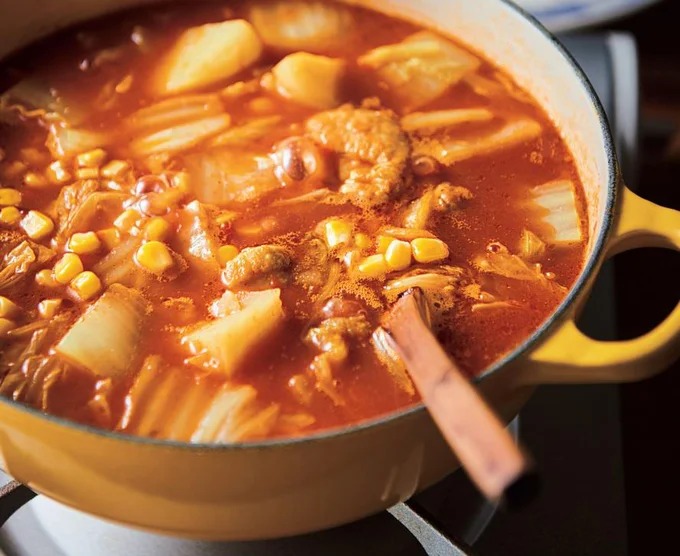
point(231, 338)
point(207, 54)
point(309, 79)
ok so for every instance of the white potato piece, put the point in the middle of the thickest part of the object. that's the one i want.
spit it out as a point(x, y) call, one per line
point(293, 25)
point(206, 55)
point(231, 338)
point(310, 80)
point(104, 340)
point(558, 201)
point(421, 68)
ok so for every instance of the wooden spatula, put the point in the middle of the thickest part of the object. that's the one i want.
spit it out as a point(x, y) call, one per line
point(484, 447)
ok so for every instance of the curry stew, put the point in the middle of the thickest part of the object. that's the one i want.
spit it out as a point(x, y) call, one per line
point(206, 209)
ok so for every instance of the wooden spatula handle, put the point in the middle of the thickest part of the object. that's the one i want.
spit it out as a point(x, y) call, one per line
point(483, 445)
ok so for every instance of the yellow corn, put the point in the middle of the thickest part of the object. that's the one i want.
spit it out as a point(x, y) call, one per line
point(114, 169)
point(157, 229)
point(32, 179)
point(181, 181)
point(91, 159)
point(9, 215)
point(86, 285)
point(9, 196)
point(362, 241)
point(13, 169)
point(57, 173)
point(351, 258)
point(226, 253)
point(45, 279)
point(373, 266)
point(154, 256)
point(37, 225)
point(7, 307)
point(110, 237)
point(87, 173)
point(429, 250)
point(384, 243)
point(67, 268)
point(6, 326)
point(126, 220)
point(398, 255)
point(47, 308)
point(84, 243)
point(337, 232)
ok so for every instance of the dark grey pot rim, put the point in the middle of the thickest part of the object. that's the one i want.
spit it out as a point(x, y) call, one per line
point(364, 426)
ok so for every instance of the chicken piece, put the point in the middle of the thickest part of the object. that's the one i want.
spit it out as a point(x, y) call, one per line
point(23, 259)
point(254, 263)
point(374, 139)
point(330, 336)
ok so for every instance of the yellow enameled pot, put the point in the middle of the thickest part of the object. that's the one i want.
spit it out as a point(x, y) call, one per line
point(281, 488)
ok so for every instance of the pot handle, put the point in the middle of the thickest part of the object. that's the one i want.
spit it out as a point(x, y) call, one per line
point(569, 356)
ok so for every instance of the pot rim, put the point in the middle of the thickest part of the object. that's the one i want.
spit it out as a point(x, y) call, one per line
point(404, 413)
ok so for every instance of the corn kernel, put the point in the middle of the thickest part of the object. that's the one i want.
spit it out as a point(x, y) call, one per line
point(45, 278)
point(37, 225)
point(10, 216)
point(337, 232)
point(86, 285)
point(126, 220)
point(57, 173)
point(114, 169)
point(91, 159)
point(373, 266)
point(6, 326)
point(154, 256)
point(47, 308)
point(351, 258)
point(429, 250)
point(362, 241)
point(13, 169)
point(84, 243)
point(181, 181)
point(398, 255)
point(32, 179)
point(157, 229)
point(110, 237)
point(7, 307)
point(87, 173)
point(67, 268)
point(226, 253)
point(9, 196)
point(384, 243)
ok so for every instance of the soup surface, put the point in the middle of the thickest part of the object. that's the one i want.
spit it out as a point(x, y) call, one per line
point(207, 208)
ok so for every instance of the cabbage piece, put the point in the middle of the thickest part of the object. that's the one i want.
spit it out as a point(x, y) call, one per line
point(174, 111)
point(23, 259)
point(66, 142)
point(449, 151)
point(221, 177)
point(231, 338)
point(417, 121)
point(180, 137)
point(118, 267)
point(438, 284)
point(34, 98)
point(198, 233)
point(483, 308)
point(105, 338)
point(242, 135)
point(235, 415)
point(231, 302)
point(392, 361)
point(531, 247)
point(80, 206)
point(558, 198)
point(294, 25)
point(421, 68)
point(205, 55)
point(310, 80)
